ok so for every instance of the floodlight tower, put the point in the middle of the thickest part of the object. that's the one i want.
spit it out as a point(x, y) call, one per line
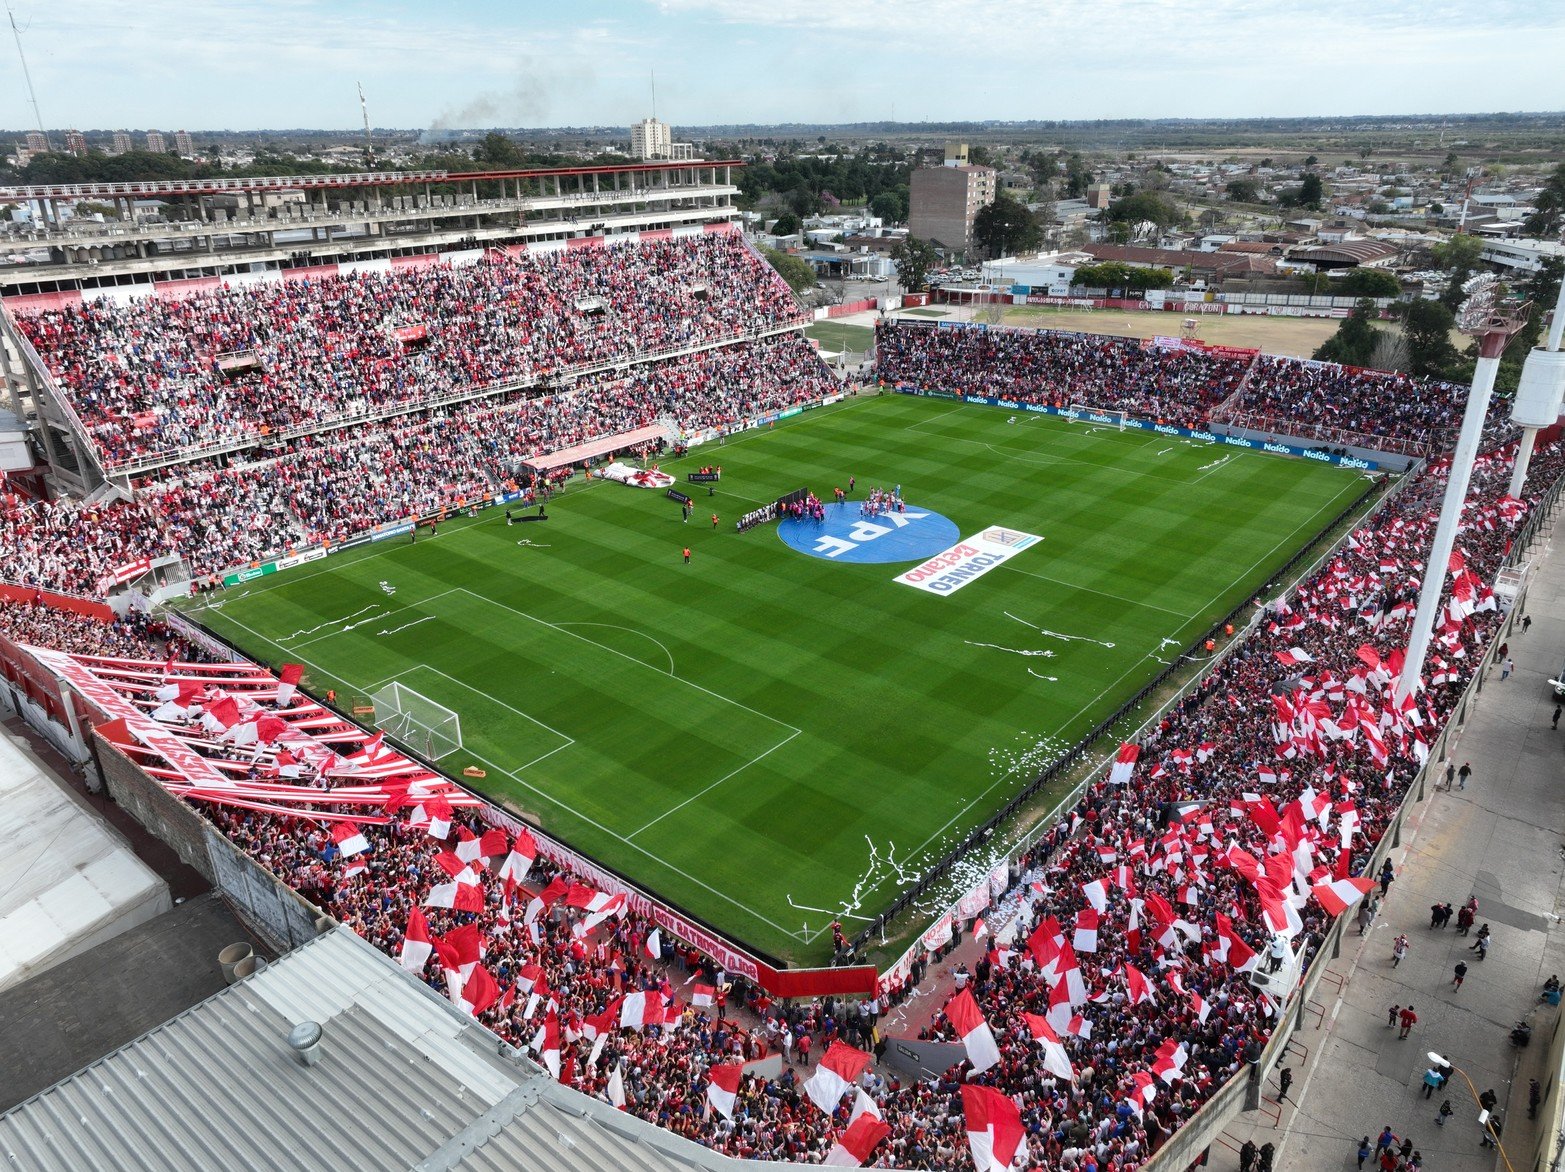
point(1540, 394)
point(1491, 325)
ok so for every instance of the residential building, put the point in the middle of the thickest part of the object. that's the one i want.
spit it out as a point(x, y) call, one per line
point(651, 139)
point(155, 143)
point(76, 143)
point(121, 143)
point(37, 142)
point(182, 144)
point(944, 202)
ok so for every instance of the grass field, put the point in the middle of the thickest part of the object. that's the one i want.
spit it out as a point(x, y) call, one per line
point(835, 336)
point(774, 740)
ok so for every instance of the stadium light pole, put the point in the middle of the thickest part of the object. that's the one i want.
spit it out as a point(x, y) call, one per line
point(1492, 326)
point(1540, 393)
point(1441, 1060)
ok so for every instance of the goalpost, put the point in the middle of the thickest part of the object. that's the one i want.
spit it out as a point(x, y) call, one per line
point(417, 721)
point(1098, 416)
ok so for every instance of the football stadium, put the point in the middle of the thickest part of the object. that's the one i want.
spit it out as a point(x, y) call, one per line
point(541, 610)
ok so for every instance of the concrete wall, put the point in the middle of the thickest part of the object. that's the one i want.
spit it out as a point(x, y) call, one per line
point(150, 804)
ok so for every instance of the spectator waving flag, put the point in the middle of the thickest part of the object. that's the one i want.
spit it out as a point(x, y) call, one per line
point(839, 1069)
point(968, 1022)
point(995, 1131)
point(416, 945)
point(349, 838)
point(1339, 895)
point(288, 683)
point(855, 1146)
point(1055, 1059)
point(1124, 763)
point(722, 1088)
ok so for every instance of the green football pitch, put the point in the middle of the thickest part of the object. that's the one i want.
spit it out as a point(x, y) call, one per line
point(774, 740)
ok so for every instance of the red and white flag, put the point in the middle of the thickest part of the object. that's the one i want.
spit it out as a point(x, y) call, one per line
point(479, 991)
point(288, 683)
point(838, 1070)
point(602, 908)
point(416, 945)
point(703, 996)
point(546, 1044)
point(1055, 1059)
point(654, 944)
point(1339, 895)
point(858, 1143)
point(1136, 984)
point(722, 1088)
point(642, 1009)
point(523, 851)
point(1124, 763)
point(461, 897)
point(1086, 937)
point(995, 1132)
point(1097, 893)
point(349, 838)
point(1198, 1003)
point(968, 1022)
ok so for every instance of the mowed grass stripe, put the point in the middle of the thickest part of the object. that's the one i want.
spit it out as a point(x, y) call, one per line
point(897, 703)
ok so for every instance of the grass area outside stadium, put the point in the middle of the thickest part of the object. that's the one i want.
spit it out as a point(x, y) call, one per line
point(773, 740)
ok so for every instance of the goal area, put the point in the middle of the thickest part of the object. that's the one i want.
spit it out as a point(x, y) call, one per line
point(1098, 416)
point(415, 720)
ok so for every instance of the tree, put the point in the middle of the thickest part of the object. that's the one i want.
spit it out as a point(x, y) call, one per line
point(1427, 327)
point(496, 150)
point(1143, 207)
point(787, 225)
point(1369, 283)
point(1077, 177)
point(1311, 161)
point(1550, 206)
point(1244, 190)
point(1113, 274)
point(1311, 191)
point(1005, 227)
point(1458, 257)
point(793, 269)
point(1354, 342)
point(888, 207)
point(914, 259)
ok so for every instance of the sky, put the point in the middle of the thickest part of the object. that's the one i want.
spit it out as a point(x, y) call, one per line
point(255, 64)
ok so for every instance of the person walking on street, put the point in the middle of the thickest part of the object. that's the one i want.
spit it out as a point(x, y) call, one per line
point(1264, 1164)
point(1364, 1150)
point(1459, 977)
point(1431, 1082)
point(1391, 1015)
point(1555, 723)
point(1526, 622)
point(1507, 668)
point(1398, 950)
point(1384, 1141)
point(1387, 878)
point(1445, 1113)
point(1284, 1081)
point(1439, 915)
point(1465, 918)
point(1408, 1018)
point(1482, 947)
point(1463, 774)
point(1480, 942)
point(1534, 1097)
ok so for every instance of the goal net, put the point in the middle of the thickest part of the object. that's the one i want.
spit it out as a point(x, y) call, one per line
point(1098, 416)
point(417, 721)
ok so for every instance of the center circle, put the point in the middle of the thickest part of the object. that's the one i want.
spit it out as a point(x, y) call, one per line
point(848, 535)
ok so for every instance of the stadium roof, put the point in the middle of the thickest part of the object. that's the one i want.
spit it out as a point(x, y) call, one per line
point(405, 1080)
point(1345, 252)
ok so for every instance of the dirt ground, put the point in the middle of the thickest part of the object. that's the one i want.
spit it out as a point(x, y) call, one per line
point(1296, 337)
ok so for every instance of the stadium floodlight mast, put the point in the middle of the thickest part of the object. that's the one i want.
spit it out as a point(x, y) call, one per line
point(1492, 325)
point(1540, 394)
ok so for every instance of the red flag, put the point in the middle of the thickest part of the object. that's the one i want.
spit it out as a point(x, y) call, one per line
point(968, 1022)
point(995, 1132)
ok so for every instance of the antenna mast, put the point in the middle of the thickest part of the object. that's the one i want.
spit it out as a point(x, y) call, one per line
point(369, 141)
point(26, 74)
point(654, 94)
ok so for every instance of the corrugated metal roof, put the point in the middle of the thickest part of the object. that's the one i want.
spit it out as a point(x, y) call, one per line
point(405, 1080)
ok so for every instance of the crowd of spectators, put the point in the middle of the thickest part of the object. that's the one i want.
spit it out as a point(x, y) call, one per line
point(155, 377)
point(131, 636)
point(1222, 746)
point(1302, 398)
point(334, 485)
point(1057, 369)
point(1183, 386)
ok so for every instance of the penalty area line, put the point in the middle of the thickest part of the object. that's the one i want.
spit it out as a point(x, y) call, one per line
point(715, 784)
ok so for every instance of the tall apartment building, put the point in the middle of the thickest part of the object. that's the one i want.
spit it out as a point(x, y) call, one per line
point(122, 142)
point(76, 143)
point(182, 144)
point(155, 143)
point(944, 201)
point(37, 142)
point(651, 139)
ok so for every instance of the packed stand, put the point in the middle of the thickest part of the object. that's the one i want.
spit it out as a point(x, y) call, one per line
point(130, 636)
point(146, 377)
point(334, 485)
point(1305, 398)
point(1058, 369)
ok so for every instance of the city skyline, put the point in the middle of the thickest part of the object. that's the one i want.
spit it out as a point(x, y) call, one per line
point(294, 63)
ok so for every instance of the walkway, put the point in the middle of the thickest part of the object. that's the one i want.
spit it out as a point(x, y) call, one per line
point(1500, 839)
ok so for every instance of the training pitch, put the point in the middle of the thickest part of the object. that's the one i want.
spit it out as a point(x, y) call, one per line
point(776, 737)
